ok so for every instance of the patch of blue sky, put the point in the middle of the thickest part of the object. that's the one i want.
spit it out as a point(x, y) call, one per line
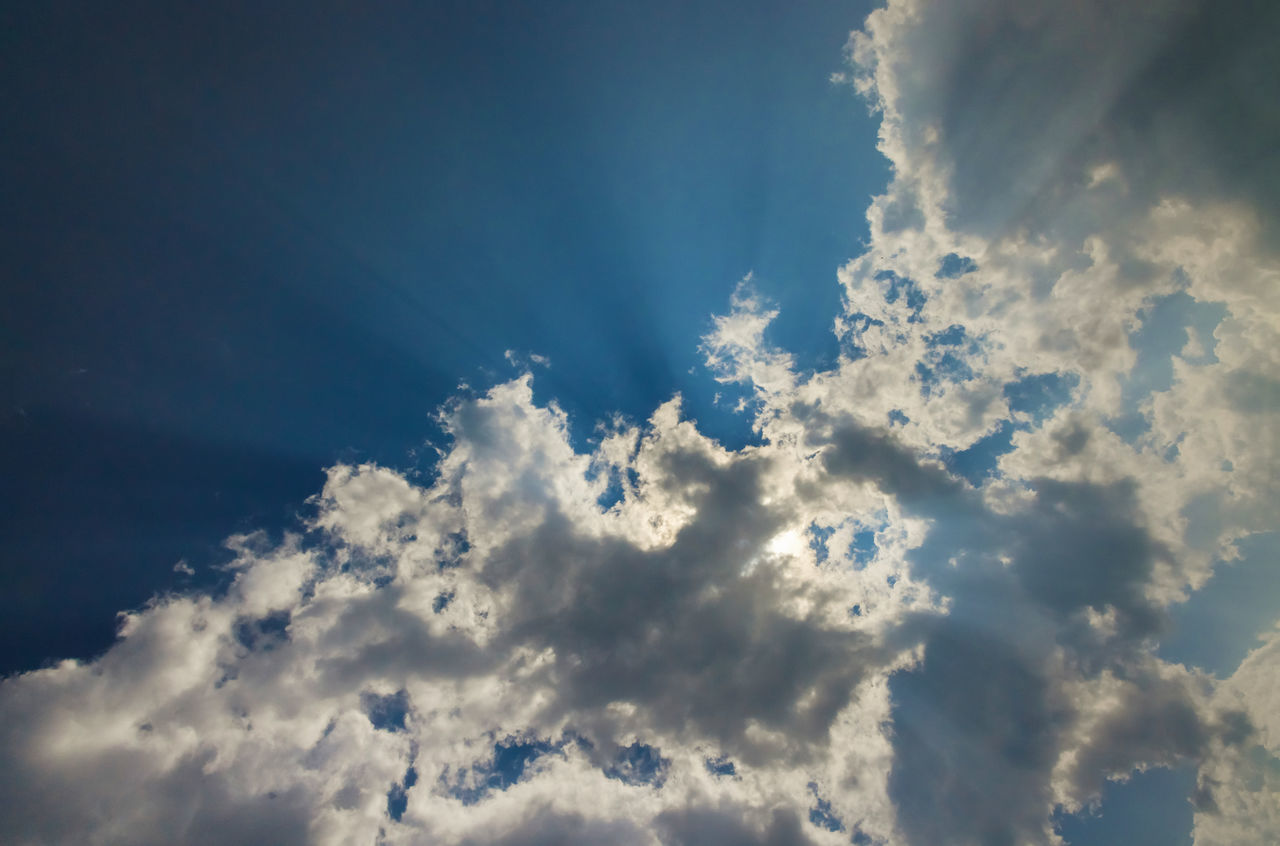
point(452, 550)
point(819, 535)
point(821, 814)
point(721, 767)
point(639, 764)
point(1038, 395)
point(376, 569)
point(850, 341)
point(863, 548)
point(979, 461)
point(1152, 808)
point(952, 336)
point(386, 712)
point(1163, 334)
point(613, 492)
point(1129, 426)
point(954, 265)
point(1221, 622)
point(952, 367)
point(511, 757)
point(946, 358)
point(1169, 326)
point(1203, 515)
point(264, 633)
point(947, 367)
point(398, 795)
point(900, 287)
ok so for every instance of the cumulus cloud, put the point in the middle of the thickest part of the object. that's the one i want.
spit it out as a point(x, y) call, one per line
point(923, 609)
point(1236, 797)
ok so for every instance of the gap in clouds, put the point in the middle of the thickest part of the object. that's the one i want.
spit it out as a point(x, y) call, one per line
point(1225, 620)
point(1151, 807)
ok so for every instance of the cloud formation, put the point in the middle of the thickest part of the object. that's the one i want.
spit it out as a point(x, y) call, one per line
point(923, 609)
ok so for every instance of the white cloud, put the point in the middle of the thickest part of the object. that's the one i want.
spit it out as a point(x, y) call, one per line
point(736, 351)
point(1238, 800)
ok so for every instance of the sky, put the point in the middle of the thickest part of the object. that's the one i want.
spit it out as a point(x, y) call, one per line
point(665, 423)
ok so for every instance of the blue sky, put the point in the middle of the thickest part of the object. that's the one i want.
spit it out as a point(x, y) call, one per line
point(640, 423)
point(250, 244)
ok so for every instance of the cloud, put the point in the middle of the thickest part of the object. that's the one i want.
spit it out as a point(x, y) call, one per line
point(1236, 798)
point(621, 648)
point(697, 826)
point(735, 348)
point(1139, 92)
point(924, 608)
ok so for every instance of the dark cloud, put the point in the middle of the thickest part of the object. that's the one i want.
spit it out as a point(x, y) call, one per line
point(693, 632)
point(547, 828)
point(188, 805)
point(728, 827)
point(976, 732)
point(1080, 546)
point(1155, 723)
point(1175, 92)
point(876, 456)
point(980, 725)
point(1075, 545)
point(697, 636)
point(1253, 393)
point(1201, 111)
point(375, 637)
